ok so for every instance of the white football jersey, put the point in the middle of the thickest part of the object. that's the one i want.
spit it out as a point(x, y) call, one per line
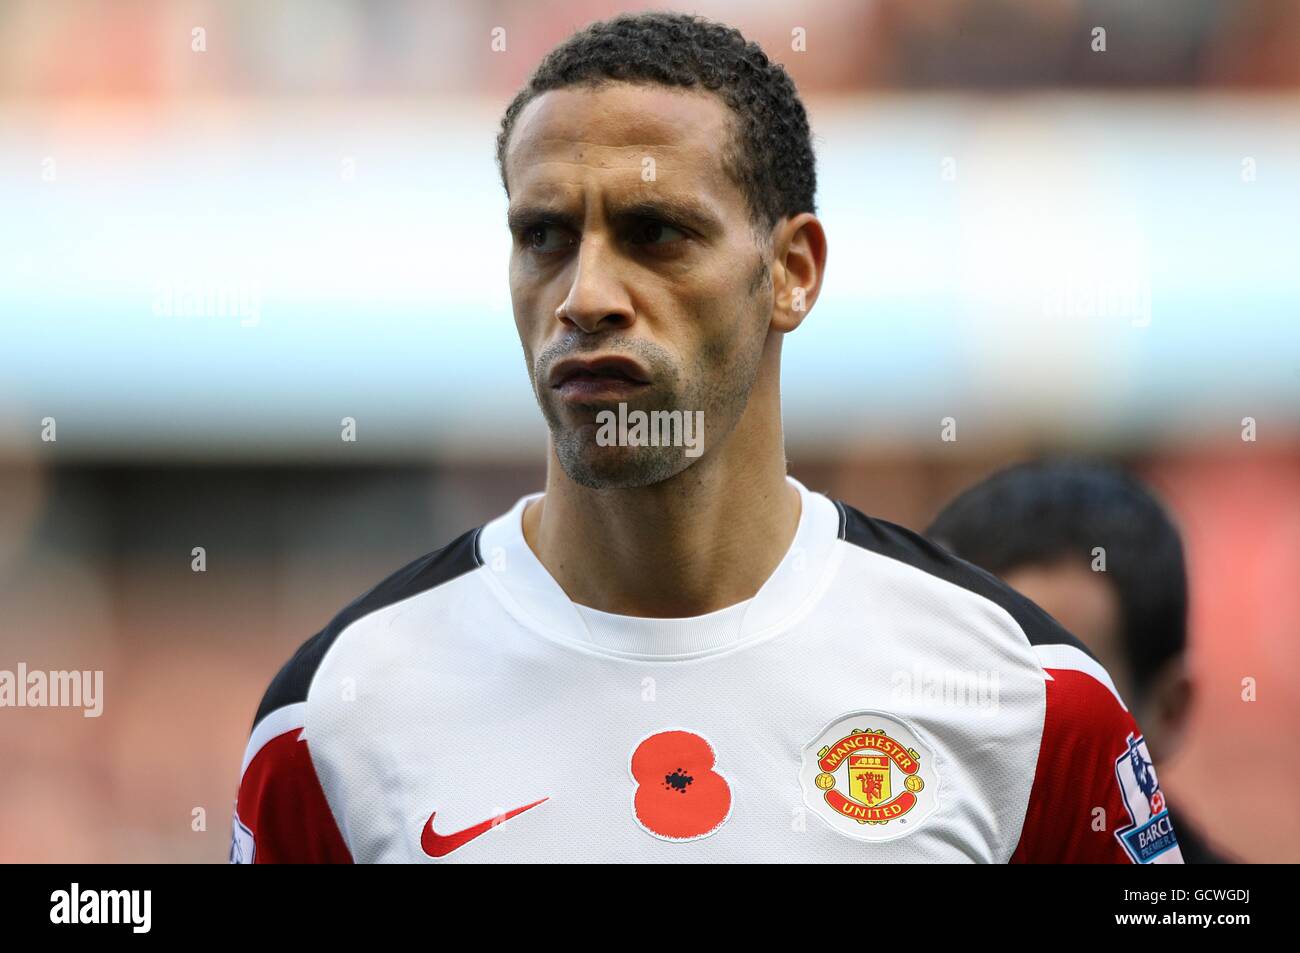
point(877, 700)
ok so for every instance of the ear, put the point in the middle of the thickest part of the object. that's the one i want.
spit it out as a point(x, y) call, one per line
point(1168, 704)
point(798, 263)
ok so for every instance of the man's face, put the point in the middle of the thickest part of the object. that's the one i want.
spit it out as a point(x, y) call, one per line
point(623, 218)
point(1087, 605)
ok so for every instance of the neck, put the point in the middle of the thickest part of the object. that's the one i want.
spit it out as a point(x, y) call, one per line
point(701, 541)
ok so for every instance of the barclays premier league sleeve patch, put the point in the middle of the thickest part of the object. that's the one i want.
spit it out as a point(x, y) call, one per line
point(242, 845)
point(1150, 832)
point(870, 776)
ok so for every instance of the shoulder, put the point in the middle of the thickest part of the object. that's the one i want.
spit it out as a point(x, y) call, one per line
point(932, 562)
point(284, 810)
point(1094, 797)
point(291, 683)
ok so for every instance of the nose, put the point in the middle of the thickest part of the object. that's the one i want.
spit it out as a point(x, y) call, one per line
point(597, 299)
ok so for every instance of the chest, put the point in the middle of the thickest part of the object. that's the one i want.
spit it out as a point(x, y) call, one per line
point(800, 750)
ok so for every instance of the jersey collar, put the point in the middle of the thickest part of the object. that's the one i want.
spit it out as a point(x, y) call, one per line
point(535, 599)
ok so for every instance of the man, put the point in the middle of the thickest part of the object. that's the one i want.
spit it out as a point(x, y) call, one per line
point(1094, 548)
point(677, 653)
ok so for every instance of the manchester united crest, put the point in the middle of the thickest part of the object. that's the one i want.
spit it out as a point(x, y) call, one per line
point(870, 776)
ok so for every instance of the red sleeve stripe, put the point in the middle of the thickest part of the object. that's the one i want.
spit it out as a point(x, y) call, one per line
point(283, 810)
point(1068, 658)
point(274, 724)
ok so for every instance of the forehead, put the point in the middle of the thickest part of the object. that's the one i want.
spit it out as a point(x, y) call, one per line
point(566, 134)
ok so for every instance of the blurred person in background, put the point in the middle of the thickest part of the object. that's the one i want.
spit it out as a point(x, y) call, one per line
point(1048, 528)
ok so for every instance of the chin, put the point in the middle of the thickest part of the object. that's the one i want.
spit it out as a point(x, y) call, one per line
point(617, 468)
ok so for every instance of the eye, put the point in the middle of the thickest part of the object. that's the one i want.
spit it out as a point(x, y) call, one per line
point(545, 238)
point(651, 231)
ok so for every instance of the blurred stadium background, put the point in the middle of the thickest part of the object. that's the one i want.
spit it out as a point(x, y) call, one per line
point(1065, 250)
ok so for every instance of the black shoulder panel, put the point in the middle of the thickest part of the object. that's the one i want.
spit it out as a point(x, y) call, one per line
point(455, 559)
point(899, 542)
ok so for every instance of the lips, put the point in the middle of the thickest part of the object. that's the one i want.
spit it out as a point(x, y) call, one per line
point(598, 372)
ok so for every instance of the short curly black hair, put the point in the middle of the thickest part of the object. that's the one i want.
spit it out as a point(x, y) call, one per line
point(770, 157)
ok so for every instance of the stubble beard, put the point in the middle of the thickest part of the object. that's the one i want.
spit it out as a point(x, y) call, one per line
point(720, 390)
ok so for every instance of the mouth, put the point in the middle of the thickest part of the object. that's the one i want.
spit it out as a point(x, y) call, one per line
point(595, 377)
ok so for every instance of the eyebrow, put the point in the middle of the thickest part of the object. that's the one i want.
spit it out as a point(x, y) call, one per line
point(672, 209)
